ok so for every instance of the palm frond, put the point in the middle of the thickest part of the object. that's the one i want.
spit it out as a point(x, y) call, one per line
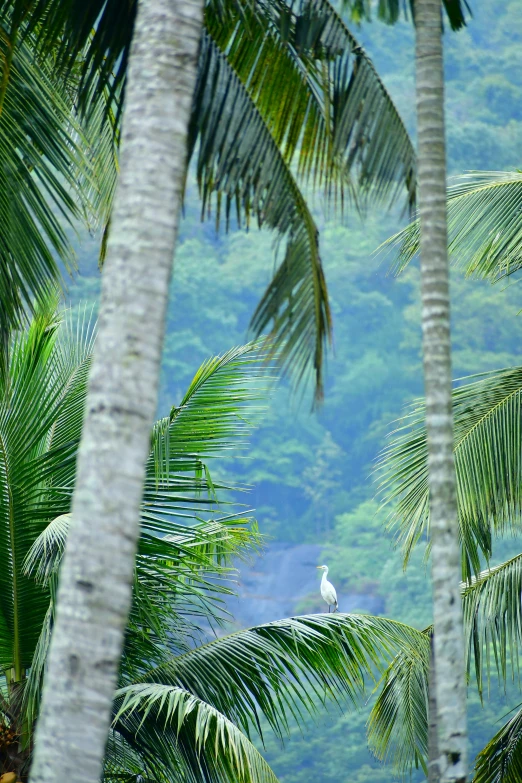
point(212, 416)
point(97, 33)
point(286, 669)
point(319, 95)
point(493, 620)
point(398, 724)
point(36, 464)
point(190, 732)
point(239, 160)
point(43, 558)
point(501, 760)
point(488, 425)
point(184, 563)
point(484, 227)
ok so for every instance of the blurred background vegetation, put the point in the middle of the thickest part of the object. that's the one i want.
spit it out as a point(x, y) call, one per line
point(311, 473)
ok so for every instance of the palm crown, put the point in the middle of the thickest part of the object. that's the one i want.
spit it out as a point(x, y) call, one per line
point(286, 98)
point(484, 240)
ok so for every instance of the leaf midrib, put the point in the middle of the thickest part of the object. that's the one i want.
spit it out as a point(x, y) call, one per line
point(473, 191)
point(16, 623)
point(490, 412)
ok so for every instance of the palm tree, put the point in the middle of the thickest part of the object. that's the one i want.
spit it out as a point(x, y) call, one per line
point(46, 174)
point(88, 634)
point(448, 761)
point(333, 124)
point(487, 419)
point(183, 710)
point(448, 699)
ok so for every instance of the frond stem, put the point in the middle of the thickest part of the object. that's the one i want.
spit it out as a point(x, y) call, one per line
point(17, 662)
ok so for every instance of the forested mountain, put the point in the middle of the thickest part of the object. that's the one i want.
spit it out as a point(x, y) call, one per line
point(311, 472)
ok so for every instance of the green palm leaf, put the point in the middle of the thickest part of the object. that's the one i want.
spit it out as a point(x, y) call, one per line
point(38, 407)
point(484, 226)
point(287, 668)
point(282, 670)
point(493, 619)
point(41, 165)
point(398, 725)
point(488, 426)
point(291, 81)
point(189, 733)
point(492, 614)
point(183, 566)
point(239, 160)
point(319, 95)
point(501, 759)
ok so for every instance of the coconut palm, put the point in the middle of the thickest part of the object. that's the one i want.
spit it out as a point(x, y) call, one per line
point(333, 124)
point(342, 125)
point(487, 419)
point(448, 759)
point(183, 710)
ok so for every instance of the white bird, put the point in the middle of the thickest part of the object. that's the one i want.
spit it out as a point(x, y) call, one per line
point(328, 590)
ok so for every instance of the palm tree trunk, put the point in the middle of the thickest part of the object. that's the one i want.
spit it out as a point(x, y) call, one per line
point(448, 634)
point(96, 577)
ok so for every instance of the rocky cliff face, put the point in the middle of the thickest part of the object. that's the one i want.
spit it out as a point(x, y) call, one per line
point(283, 581)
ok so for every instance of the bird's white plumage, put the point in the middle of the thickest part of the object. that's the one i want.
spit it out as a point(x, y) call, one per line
point(327, 589)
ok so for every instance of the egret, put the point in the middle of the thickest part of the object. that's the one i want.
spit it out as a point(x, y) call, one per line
point(328, 590)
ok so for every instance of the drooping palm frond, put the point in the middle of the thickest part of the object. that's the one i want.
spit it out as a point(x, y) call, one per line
point(287, 668)
point(492, 614)
point(174, 730)
point(501, 760)
point(42, 161)
point(283, 670)
point(319, 94)
point(493, 620)
point(100, 31)
point(484, 226)
point(398, 725)
point(488, 426)
point(239, 160)
point(184, 562)
point(309, 90)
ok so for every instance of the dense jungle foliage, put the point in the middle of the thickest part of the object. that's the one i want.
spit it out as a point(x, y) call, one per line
point(312, 473)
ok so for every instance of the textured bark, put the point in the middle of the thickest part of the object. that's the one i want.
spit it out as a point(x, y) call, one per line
point(96, 577)
point(448, 635)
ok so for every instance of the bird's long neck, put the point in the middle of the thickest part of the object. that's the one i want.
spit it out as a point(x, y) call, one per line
point(325, 574)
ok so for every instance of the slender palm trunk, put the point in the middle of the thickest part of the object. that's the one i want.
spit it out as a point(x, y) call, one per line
point(448, 636)
point(96, 576)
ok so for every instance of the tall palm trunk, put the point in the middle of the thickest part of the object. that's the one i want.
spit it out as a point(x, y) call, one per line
point(448, 635)
point(96, 576)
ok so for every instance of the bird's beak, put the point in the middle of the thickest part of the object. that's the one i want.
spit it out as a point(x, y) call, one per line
point(319, 567)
